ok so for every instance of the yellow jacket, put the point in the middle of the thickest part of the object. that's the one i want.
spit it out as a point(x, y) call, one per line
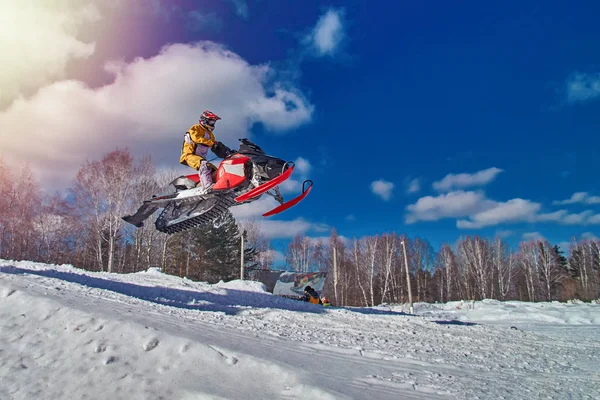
point(191, 155)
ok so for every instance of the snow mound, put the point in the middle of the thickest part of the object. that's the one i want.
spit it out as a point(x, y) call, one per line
point(248, 286)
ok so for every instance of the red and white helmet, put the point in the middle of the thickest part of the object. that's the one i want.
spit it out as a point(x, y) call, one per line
point(208, 119)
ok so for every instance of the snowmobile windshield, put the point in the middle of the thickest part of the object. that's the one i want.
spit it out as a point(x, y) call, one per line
point(248, 147)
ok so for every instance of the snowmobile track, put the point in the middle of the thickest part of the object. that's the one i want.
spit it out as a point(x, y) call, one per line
point(226, 201)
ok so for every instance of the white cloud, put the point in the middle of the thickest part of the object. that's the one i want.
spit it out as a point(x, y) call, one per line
point(274, 229)
point(382, 189)
point(147, 108)
point(317, 227)
point(564, 246)
point(504, 233)
point(579, 197)
point(350, 218)
point(514, 210)
point(38, 41)
point(582, 87)
point(255, 209)
point(278, 257)
point(326, 240)
point(565, 218)
point(535, 236)
point(328, 33)
point(414, 186)
point(589, 236)
point(450, 205)
point(290, 186)
point(577, 219)
point(302, 165)
point(473, 210)
point(464, 180)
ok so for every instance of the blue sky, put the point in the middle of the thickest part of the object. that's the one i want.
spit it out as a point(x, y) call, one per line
point(437, 119)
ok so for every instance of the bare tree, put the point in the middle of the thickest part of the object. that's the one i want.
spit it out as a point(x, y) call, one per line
point(144, 183)
point(529, 263)
point(388, 255)
point(373, 268)
point(475, 253)
point(104, 188)
point(584, 266)
point(299, 253)
point(319, 258)
point(446, 262)
point(503, 262)
point(7, 204)
point(25, 204)
point(422, 257)
point(551, 271)
point(334, 259)
point(51, 225)
point(361, 266)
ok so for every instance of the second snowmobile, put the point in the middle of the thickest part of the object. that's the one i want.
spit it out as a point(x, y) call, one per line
point(242, 177)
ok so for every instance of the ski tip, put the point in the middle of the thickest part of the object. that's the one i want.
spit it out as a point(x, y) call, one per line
point(293, 202)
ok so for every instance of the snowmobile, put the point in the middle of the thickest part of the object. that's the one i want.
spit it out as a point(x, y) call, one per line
point(243, 176)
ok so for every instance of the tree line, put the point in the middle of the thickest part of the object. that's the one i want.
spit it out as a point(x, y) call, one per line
point(372, 270)
point(85, 229)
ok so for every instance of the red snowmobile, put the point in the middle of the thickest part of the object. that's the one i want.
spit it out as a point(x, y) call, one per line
point(242, 177)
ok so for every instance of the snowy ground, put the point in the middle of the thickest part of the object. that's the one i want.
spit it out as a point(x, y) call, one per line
point(68, 333)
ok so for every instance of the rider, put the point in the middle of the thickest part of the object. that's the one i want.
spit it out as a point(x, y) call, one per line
point(311, 295)
point(196, 143)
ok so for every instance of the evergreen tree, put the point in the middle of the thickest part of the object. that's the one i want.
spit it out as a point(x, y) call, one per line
point(219, 250)
point(575, 262)
point(562, 260)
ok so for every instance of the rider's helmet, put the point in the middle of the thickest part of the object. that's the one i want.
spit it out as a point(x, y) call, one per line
point(208, 119)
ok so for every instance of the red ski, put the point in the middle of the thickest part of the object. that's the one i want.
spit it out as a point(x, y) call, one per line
point(265, 186)
point(290, 203)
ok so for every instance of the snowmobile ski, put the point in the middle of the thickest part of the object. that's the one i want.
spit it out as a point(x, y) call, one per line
point(257, 191)
point(288, 204)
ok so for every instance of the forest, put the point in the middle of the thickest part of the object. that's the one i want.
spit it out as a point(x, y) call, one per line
point(84, 228)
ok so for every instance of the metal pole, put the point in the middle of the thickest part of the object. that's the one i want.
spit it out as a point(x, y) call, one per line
point(242, 257)
point(412, 311)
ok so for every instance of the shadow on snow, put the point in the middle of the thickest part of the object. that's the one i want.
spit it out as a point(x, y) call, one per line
point(231, 303)
point(455, 322)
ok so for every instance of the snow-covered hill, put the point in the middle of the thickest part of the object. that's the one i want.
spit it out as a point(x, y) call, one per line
point(68, 333)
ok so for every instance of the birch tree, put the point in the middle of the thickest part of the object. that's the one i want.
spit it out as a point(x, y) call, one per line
point(299, 253)
point(503, 262)
point(529, 264)
point(475, 253)
point(422, 257)
point(104, 189)
point(388, 259)
point(447, 264)
point(551, 271)
point(361, 266)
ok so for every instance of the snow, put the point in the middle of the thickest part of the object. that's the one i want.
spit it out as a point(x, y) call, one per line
point(69, 333)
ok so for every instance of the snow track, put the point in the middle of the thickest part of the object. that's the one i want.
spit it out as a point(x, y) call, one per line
point(67, 333)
